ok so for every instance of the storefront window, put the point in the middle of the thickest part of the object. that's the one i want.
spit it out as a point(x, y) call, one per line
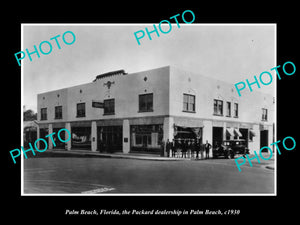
point(138, 140)
point(81, 137)
point(146, 137)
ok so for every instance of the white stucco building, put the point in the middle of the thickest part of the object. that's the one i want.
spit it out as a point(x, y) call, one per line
point(140, 110)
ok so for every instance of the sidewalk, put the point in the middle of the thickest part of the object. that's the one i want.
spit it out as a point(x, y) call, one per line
point(118, 155)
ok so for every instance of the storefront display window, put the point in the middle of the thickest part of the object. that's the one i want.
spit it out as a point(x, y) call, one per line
point(146, 137)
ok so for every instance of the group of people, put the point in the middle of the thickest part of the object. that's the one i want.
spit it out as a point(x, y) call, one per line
point(187, 148)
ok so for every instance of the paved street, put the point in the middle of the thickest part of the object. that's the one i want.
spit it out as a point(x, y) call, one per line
point(112, 175)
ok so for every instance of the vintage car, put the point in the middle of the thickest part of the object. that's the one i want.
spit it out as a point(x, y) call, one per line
point(238, 146)
point(230, 148)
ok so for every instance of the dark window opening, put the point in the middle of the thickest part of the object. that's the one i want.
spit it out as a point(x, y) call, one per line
point(218, 107)
point(58, 112)
point(43, 113)
point(109, 106)
point(81, 110)
point(146, 103)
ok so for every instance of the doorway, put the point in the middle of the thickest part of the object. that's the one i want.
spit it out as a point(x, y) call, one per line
point(245, 135)
point(264, 139)
point(110, 139)
point(217, 136)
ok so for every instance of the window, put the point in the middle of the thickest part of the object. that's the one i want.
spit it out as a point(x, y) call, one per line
point(109, 106)
point(43, 113)
point(236, 109)
point(228, 112)
point(218, 107)
point(189, 103)
point(80, 110)
point(143, 140)
point(58, 112)
point(138, 139)
point(264, 115)
point(146, 103)
point(146, 137)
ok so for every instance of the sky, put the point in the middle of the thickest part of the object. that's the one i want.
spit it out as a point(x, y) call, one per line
point(231, 53)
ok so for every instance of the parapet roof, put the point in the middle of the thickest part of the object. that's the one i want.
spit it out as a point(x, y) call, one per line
point(109, 74)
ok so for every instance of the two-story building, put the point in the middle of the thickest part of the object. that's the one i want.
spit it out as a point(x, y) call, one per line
point(135, 112)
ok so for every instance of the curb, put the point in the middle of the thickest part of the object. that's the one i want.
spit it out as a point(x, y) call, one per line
point(63, 153)
point(269, 167)
point(146, 158)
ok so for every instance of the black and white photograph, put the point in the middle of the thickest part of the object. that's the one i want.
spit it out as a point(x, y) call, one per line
point(139, 116)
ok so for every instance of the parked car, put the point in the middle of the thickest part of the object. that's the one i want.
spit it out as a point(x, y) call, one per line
point(223, 150)
point(238, 146)
point(230, 148)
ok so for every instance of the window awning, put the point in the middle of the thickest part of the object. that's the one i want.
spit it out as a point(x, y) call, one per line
point(238, 133)
point(188, 122)
point(230, 131)
point(252, 133)
point(180, 129)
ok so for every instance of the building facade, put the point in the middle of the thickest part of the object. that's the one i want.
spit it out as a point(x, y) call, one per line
point(120, 112)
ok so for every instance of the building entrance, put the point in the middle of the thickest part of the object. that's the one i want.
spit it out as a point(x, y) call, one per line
point(264, 139)
point(110, 139)
point(217, 136)
point(245, 135)
point(59, 144)
point(43, 133)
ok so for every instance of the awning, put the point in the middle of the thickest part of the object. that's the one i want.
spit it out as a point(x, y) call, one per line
point(188, 122)
point(238, 133)
point(196, 130)
point(230, 131)
point(252, 133)
point(183, 132)
point(30, 124)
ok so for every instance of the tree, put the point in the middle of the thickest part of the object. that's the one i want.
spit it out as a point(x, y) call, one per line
point(29, 115)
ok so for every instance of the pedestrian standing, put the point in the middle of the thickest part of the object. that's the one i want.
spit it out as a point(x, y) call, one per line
point(193, 148)
point(173, 148)
point(207, 148)
point(183, 148)
point(101, 146)
point(188, 148)
point(197, 148)
point(168, 148)
point(162, 148)
point(178, 148)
